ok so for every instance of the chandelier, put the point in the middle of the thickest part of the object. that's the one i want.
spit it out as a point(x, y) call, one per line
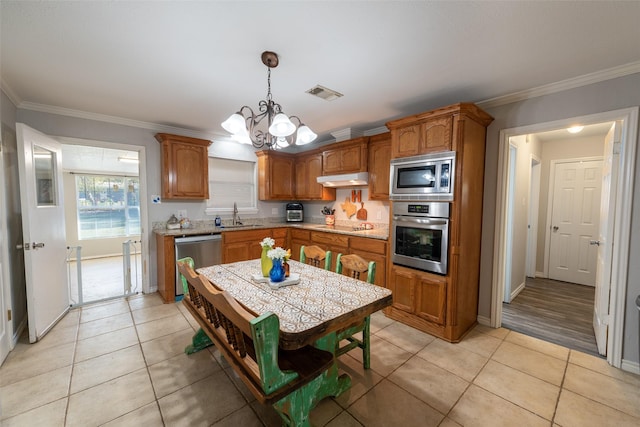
point(243, 125)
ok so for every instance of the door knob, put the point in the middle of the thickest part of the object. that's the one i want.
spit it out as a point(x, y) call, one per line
point(556, 228)
point(594, 242)
point(35, 245)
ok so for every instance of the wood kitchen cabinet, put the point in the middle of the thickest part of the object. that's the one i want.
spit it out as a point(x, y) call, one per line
point(346, 157)
point(420, 294)
point(431, 135)
point(166, 260)
point(307, 168)
point(367, 248)
point(298, 238)
point(275, 175)
point(371, 250)
point(379, 162)
point(185, 167)
point(336, 243)
point(445, 306)
point(242, 245)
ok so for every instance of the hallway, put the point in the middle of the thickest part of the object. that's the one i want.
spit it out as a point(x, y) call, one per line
point(557, 312)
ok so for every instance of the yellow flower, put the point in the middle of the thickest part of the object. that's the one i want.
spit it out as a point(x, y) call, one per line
point(288, 255)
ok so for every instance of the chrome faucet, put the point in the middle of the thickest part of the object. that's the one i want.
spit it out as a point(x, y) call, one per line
point(236, 217)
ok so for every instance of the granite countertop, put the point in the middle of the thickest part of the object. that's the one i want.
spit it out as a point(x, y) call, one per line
point(207, 227)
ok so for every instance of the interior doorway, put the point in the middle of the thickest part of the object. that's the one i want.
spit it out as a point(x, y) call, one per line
point(628, 120)
point(104, 202)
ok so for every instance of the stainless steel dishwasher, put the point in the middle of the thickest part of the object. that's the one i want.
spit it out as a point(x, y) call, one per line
point(205, 250)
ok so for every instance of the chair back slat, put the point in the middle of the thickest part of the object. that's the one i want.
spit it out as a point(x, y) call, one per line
point(355, 266)
point(315, 256)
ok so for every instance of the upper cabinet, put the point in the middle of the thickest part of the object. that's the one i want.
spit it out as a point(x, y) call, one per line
point(345, 157)
point(379, 161)
point(421, 134)
point(308, 168)
point(185, 167)
point(275, 175)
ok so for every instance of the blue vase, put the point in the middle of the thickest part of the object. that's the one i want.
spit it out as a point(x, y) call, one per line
point(276, 274)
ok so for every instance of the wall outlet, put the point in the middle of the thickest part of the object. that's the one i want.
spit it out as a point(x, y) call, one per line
point(379, 215)
point(182, 213)
point(155, 199)
point(274, 211)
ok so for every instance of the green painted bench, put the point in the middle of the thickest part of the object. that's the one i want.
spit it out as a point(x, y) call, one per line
point(289, 380)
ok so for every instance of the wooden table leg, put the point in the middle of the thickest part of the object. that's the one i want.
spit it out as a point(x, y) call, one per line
point(199, 342)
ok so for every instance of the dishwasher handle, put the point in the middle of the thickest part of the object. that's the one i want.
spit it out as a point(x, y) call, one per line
point(198, 238)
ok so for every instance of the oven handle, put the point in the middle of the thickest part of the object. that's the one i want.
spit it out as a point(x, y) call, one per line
point(425, 221)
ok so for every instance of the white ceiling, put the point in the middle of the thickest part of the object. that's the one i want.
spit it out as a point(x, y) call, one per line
point(191, 64)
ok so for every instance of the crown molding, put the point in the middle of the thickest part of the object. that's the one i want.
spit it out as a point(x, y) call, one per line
point(10, 93)
point(31, 106)
point(376, 131)
point(574, 82)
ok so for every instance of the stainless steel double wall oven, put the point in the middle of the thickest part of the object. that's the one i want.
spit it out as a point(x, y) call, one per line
point(421, 189)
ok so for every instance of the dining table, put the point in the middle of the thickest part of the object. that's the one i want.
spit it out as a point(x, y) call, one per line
point(311, 311)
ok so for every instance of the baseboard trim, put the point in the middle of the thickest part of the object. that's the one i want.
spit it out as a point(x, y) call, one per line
point(517, 291)
point(541, 274)
point(630, 366)
point(18, 331)
point(485, 321)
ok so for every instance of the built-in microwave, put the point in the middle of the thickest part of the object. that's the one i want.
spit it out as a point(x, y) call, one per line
point(427, 177)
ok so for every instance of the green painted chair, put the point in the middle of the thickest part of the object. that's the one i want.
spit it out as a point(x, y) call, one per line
point(314, 255)
point(292, 381)
point(189, 261)
point(355, 266)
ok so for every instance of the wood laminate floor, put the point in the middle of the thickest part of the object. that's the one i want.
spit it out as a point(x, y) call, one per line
point(554, 311)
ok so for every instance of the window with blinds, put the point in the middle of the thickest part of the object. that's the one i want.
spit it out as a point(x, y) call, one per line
point(232, 181)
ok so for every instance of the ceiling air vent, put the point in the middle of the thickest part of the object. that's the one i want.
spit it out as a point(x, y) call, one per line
point(324, 93)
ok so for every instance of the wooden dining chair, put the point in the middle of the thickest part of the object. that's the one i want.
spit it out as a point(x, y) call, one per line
point(355, 266)
point(314, 255)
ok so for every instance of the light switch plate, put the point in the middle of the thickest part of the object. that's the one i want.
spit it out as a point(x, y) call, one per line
point(274, 211)
point(182, 213)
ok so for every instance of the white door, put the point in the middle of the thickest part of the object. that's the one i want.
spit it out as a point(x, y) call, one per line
point(575, 221)
point(5, 296)
point(40, 170)
point(605, 236)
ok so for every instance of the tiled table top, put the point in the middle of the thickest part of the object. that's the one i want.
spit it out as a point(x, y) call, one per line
point(321, 299)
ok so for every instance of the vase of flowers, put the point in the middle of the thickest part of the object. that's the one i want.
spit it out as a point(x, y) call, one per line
point(277, 255)
point(265, 262)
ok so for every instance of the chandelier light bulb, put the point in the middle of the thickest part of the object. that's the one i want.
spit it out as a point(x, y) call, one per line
point(235, 124)
point(305, 135)
point(281, 126)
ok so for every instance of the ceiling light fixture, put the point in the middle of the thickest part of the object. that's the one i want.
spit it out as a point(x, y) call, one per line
point(575, 129)
point(280, 128)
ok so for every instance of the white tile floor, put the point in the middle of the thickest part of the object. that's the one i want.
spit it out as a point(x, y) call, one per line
point(122, 363)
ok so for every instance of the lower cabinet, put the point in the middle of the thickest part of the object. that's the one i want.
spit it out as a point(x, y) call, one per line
point(336, 243)
point(243, 245)
point(166, 259)
point(420, 300)
point(367, 248)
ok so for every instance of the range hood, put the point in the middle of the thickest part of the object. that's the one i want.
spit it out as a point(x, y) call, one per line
point(344, 180)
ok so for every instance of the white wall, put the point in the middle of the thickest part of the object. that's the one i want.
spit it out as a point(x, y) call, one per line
point(526, 147)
